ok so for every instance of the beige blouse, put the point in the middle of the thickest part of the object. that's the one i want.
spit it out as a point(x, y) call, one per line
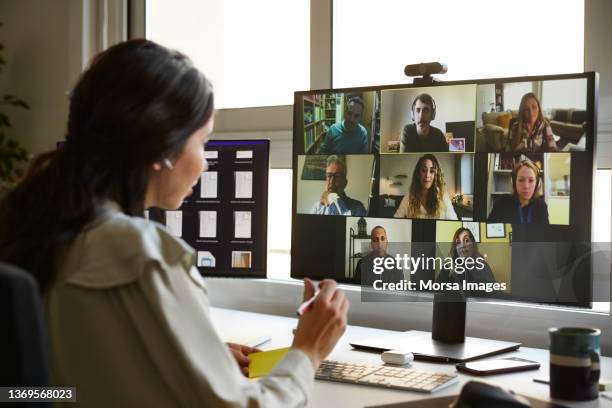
point(129, 326)
point(447, 212)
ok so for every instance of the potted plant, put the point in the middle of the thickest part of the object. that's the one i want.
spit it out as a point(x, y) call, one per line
point(13, 155)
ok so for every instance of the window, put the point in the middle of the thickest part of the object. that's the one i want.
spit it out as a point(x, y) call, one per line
point(256, 53)
point(279, 223)
point(476, 38)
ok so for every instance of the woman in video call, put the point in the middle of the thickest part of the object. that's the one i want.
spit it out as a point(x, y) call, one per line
point(524, 206)
point(531, 132)
point(427, 197)
point(464, 245)
point(126, 309)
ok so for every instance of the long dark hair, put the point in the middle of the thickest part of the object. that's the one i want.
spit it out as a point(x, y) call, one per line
point(435, 194)
point(136, 104)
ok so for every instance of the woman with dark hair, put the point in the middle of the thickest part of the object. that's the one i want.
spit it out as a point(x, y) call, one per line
point(524, 206)
point(427, 197)
point(127, 310)
point(532, 132)
point(464, 245)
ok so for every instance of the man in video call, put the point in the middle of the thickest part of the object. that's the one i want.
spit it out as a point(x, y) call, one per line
point(334, 200)
point(364, 270)
point(348, 136)
point(420, 136)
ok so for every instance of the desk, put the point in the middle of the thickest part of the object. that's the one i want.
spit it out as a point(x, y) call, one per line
point(233, 324)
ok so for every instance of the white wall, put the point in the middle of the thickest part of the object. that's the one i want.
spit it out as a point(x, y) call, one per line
point(598, 57)
point(453, 104)
point(564, 94)
point(557, 94)
point(36, 39)
point(359, 174)
point(513, 92)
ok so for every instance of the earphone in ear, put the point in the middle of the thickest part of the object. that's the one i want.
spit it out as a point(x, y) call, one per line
point(168, 164)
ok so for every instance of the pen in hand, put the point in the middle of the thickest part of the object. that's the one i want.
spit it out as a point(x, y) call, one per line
point(304, 307)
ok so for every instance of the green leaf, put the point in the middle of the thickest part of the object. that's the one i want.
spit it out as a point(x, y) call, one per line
point(4, 120)
point(21, 104)
point(14, 101)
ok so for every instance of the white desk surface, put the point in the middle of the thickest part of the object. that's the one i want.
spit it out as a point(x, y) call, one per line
point(240, 326)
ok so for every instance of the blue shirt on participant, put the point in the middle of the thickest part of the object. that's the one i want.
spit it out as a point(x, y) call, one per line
point(340, 140)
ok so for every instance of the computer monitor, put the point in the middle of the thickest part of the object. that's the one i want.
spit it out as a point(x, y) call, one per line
point(225, 218)
point(508, 162)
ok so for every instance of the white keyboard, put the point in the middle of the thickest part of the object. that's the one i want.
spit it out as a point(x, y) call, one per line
point(384, 376)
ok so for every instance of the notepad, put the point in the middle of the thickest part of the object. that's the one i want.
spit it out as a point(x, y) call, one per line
point(174, 223)
point(208, 184)
point(208, 224)
point(242, 224)
point(211, 154)
point(263, 362)
point(244, 184)
point(244, 154)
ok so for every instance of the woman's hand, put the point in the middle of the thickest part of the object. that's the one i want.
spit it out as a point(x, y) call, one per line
point(241, 354)
point(320, 328)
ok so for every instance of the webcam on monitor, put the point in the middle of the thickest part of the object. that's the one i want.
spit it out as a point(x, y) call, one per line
point(425, 70)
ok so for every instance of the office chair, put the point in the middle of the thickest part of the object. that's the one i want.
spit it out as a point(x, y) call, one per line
point(24, 354)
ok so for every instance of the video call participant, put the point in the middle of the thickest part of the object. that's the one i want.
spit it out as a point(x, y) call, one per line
point(532, 132)
point(334, 200)
point(524, 206)
point(127, 311)
point(420, 136)
point(464, 245)
point(364, 270)
point(348, 136)
point(427, 197)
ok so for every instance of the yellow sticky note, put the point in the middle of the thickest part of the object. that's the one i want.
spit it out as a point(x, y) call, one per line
point(263, 362)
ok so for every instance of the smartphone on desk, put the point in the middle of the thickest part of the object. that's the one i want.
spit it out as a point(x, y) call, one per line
point(497, 366)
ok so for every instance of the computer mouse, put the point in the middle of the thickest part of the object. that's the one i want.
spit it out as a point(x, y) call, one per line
point(476, 394)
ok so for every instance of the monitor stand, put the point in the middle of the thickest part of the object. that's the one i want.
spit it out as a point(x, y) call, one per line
point(446, 343)
point(448, 323)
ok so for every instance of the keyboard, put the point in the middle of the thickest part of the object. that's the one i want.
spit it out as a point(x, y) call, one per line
point(400, 378)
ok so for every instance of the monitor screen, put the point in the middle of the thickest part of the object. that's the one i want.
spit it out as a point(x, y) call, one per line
point(225, 218)
point(499, 168)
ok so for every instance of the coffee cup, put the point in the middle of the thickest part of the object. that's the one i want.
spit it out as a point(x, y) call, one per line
point(574, 363)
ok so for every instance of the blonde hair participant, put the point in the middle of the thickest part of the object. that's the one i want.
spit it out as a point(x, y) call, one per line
point(524, 206)
point(532, 132)
point(427, 197)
